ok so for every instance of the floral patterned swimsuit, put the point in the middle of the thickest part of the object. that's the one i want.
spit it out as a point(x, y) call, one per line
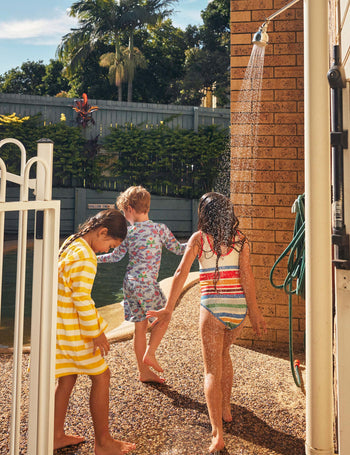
point(144, 244)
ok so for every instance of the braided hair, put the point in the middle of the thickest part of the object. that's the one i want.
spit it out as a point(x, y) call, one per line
point(216, 217)
point(112, 219)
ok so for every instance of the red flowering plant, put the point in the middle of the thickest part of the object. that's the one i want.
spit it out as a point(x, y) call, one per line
point(84, 111)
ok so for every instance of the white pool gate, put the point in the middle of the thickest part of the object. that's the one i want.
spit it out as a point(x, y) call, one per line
point(44, 294)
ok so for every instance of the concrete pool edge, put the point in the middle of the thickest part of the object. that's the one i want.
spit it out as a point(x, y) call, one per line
point(125, 331)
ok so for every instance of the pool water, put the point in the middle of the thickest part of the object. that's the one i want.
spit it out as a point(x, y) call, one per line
point(107, 288)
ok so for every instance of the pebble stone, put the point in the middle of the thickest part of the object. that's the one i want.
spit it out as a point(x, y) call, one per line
point(172, 419)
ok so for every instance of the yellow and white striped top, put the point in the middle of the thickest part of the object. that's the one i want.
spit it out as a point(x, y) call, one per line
point(78, 320)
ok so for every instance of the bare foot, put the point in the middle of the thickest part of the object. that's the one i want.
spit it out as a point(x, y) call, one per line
point(113, 447)
point(67, 440)
point(151, 361)
point(149, 376)
point(217, 444)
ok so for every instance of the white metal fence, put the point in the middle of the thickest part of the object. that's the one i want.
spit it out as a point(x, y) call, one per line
point(44, 295)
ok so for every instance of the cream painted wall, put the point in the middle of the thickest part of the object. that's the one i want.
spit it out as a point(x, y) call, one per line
point(344, 13)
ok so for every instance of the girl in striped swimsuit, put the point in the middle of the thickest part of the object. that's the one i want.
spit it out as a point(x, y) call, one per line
point(227, 296)
point(80, 341)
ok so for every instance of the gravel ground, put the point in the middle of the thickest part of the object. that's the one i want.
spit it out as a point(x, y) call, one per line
point(268, 409)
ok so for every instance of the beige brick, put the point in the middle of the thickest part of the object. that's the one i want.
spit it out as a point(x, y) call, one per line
point(273, 199)
point(292, 71)
point(240, 50)
point(284, 236)
point(290, 188)
point(240, 16)
point(254, 211)
point(266, 248)
point(288, 48)
point(284, 212)
point(239, 199)
point(289, 164)
point(289, 118)
point(238, 5)
point(279, 84)
point(274, 176)
point(294, 141)
point(273, 224)
point(241, 38)
point(285, 107)
point(278, 130)
point(252, 164)
point(288, 95)
point(277, 152)
point(280, 60)
point(296, 25)
point(252, 187)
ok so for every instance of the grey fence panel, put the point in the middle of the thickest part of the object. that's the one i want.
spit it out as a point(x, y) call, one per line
point(78, 204)
point(113, 113)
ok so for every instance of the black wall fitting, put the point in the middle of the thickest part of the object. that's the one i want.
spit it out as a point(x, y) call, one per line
point(339, 142)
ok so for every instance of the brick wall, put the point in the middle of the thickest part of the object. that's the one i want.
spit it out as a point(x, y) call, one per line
point(266, 179)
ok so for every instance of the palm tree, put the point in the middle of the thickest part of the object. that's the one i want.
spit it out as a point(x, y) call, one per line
point(106, 21)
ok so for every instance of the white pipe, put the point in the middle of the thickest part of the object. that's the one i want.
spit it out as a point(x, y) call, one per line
point(319, 380)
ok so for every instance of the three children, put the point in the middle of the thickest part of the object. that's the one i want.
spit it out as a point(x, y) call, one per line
point(227, 297)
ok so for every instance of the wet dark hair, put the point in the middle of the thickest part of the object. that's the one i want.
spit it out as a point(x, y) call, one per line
point(216, 217)
point(111, 219)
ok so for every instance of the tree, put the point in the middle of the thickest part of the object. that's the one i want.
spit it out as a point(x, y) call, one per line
point(163, 46)
point(27, 80)
point(54, 82)
point(208, 60)
point(107, 21)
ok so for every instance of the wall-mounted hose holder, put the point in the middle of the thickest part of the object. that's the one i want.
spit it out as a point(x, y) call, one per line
point(339, 142)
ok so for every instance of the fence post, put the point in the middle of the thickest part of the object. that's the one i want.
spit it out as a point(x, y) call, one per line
point(195, 119)
point(194, 210)
point(79, 207)
point(44, 299)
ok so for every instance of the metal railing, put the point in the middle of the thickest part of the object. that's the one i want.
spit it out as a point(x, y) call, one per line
point(44, 295)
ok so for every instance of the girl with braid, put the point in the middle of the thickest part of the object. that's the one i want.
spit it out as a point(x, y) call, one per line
point(81, 343)
point(227, 297)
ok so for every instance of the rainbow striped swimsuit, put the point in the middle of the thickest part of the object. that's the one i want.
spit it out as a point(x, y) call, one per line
point(227, 303)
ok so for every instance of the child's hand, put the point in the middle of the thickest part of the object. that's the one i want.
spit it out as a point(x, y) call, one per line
point(257, 321)
point(162, 316)
point(102, 344)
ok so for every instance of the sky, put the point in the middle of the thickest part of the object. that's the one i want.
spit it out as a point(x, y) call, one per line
point(31, 30)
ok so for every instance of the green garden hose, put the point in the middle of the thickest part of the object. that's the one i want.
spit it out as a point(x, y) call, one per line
point(295, 271)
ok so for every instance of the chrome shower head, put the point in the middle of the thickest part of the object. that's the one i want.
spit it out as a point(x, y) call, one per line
point(261, 38)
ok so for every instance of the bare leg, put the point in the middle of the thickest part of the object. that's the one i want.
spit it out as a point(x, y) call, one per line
point(212, 334)
point(140, 346)
point(99, 407)
point(157, 334)
point(227, 372)
point(63, 391)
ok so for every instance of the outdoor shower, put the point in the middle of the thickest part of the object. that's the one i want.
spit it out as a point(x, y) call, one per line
point(261, 38)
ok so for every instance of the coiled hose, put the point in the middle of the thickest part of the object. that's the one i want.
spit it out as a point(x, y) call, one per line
point(295, 271)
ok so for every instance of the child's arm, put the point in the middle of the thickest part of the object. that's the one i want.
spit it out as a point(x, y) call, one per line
point(116, 255)
point(102, 344)
point(248, 285)
point(178, 282)
point(170, 242)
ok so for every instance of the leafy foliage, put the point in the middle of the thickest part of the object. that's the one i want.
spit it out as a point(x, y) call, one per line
point(177, 162)
point(72, 163)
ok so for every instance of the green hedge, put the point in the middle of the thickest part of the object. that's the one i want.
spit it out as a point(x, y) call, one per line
point(166, 161)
